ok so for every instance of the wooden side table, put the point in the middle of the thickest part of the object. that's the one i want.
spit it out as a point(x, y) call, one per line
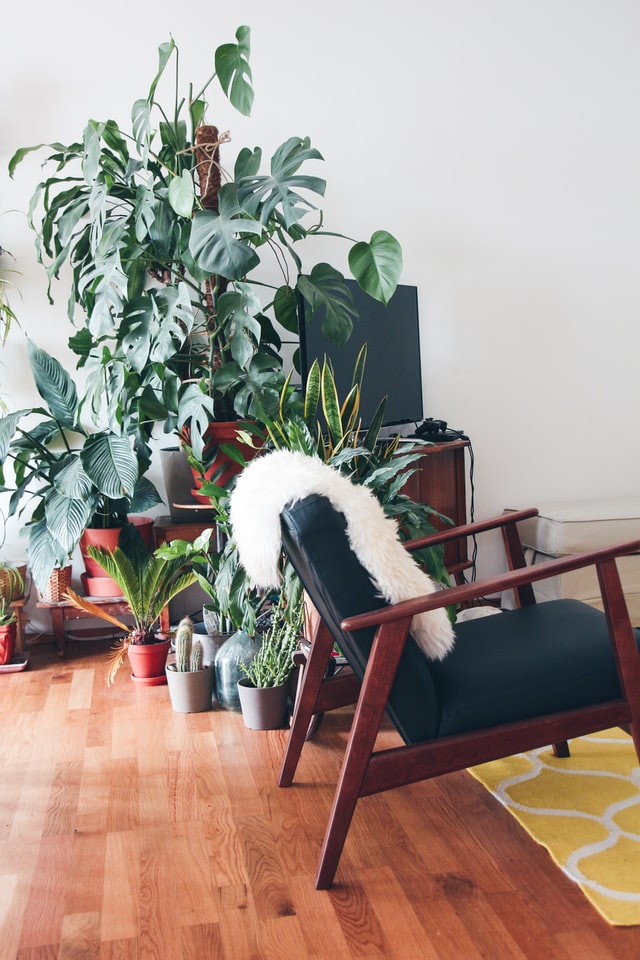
point(64, 610)
point(21, 621)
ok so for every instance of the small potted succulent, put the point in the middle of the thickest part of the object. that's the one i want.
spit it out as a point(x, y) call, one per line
point(264, 689)
point(190, 680)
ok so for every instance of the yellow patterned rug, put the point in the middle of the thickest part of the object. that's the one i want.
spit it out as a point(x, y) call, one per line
point(585, 810)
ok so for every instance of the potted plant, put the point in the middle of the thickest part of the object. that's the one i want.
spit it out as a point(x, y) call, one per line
point(12, 580)
point(11, 588)
point(148, 581)
point(69, 475)
point(8, 620)
point(236, 604)
point(190, 680)
point(168, 260)
point(264, 689)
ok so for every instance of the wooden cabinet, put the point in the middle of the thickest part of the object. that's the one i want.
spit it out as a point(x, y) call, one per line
point(440, 482)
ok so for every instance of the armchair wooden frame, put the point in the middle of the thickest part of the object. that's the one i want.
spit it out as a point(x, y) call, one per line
point(366, 771)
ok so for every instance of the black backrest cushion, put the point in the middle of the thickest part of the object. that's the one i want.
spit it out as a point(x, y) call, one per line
point(315, 539)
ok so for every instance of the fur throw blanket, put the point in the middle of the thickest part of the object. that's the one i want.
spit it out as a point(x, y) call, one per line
point(270, 482)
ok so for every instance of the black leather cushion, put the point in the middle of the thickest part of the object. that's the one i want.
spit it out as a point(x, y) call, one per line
point(315, 539)
point(540, 659)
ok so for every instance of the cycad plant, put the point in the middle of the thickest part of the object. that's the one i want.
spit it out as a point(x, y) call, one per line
point(147, 581)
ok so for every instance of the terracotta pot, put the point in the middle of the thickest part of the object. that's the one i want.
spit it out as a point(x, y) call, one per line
point(109, 538)
point(7, 642)
point(99, 586)
point(217, 433)
point(148, 661)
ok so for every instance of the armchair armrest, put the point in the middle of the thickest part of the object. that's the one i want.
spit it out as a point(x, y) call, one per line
point(481, 588)
point(470, 529)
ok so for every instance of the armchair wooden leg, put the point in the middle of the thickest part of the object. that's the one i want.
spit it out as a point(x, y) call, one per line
point(561, 749)
point(376, 686)
point(312, 679)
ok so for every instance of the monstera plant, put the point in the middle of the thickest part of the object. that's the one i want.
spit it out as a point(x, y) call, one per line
point(171, 259)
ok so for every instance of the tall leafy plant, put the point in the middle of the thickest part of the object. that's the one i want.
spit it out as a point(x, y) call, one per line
point(167, 254)
point(65, 475)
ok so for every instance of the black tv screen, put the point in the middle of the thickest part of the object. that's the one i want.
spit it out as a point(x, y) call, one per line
point(393, 365)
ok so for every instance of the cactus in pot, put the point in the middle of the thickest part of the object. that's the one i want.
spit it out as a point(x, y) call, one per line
point(188, 650)
point(190, 682)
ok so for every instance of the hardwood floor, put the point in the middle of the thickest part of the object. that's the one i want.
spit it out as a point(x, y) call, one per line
point(130, 831)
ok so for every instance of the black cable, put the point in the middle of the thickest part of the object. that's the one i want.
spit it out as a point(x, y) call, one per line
point(472, 506)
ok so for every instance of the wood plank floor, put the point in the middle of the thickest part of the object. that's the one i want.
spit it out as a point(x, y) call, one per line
point(130, 831)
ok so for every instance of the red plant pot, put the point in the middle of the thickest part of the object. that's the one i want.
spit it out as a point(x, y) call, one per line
point(147, 661)
point(109, 538)
point(217, 433)
point(7, 642)
point(99, 586)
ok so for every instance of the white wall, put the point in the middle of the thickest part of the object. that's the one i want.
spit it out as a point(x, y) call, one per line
point(499, 140)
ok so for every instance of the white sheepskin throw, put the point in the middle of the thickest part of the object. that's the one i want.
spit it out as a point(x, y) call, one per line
point(274, 480)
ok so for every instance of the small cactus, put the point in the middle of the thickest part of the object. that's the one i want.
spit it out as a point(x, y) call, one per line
point(184, 642)
point(195, 662)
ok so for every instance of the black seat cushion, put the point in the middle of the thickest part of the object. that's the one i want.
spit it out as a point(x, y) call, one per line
point(513, 666)
point(545, 658)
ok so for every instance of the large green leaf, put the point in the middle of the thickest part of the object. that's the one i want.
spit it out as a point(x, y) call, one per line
point(174, 321)
point(54, 384)
point(196, 412)
point(234, 72)
point(45, 553)
point(111, 463)
point(377, 265)
point(330, 301)
point(182, 194)
point(67, 517)
point(214, 241)
point(237, 314)
point(145, 496)
point(285, 308)
point(261, 195)
point(8, 425)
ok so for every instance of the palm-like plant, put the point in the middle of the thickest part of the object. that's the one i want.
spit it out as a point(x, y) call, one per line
point(147, 581)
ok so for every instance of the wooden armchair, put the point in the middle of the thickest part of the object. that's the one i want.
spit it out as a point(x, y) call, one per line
point(539, 674)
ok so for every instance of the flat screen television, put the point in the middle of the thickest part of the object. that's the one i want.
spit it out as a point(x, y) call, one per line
point(393, 367)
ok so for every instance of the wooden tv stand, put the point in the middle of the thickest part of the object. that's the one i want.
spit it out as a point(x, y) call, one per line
point(440, 482)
